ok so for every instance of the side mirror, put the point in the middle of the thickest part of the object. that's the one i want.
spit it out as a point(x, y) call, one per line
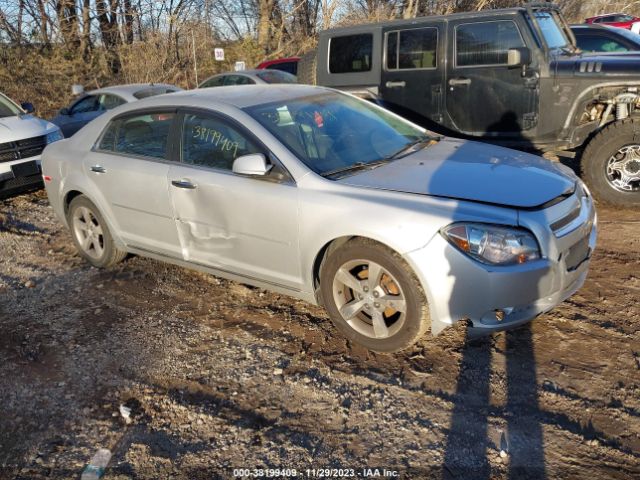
point(64, 111)
point(252, 164)
point(517, 57)
point(28, 107)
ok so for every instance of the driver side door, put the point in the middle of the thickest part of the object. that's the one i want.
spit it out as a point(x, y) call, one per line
point(241, 224)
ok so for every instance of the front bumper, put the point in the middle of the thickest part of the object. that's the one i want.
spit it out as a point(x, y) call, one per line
point(11, 184)
point(494, 298)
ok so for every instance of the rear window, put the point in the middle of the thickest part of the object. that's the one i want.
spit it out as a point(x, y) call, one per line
point(350, 54)
point(276, 76)
point(153, 91)
point(411, 49)
point(138, 135)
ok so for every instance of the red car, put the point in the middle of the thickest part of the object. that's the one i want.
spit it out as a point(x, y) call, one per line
point(620, 20)
point(289, 65)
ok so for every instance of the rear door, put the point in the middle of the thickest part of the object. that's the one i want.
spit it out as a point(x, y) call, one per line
point(485, 97)
point(413, 71)
point(129, 167)
point(242, 224)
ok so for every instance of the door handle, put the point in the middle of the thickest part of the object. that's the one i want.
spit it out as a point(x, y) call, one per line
point(183, 184)
point(460, 81)
point(98, 169)
point(396, 84)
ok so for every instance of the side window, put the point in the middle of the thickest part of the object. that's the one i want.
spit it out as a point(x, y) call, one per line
point(350, 54)
point(87, 104)
point(140, 135)
point(597, 43)
point(213, 82)
point(238, 80)
point(211, 142)
point(107, 101)
point(417, 49)
point(486, 43)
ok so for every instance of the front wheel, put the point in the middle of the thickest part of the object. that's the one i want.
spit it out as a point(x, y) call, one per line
point(611, 163)
point(373, 296)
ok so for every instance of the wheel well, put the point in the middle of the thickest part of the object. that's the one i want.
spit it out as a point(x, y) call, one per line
point(69, 197)
point(325, 251)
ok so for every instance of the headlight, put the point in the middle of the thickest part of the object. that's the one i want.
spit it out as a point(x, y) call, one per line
point(491, 244)
point(54, 136)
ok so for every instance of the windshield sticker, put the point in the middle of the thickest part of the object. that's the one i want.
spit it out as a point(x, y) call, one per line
point(216, 138)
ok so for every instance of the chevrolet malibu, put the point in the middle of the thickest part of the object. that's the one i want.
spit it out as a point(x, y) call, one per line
point(322, 196)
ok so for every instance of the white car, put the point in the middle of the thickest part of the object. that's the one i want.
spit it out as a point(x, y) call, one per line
point(22, 140)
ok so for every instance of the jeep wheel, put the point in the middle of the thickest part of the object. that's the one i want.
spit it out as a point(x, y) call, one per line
point(373, 297)
point(91, 234)
point(611, 163)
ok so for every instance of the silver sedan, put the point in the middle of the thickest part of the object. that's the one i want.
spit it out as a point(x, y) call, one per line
point(320, 195)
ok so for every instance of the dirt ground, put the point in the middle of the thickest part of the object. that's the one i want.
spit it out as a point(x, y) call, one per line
point(221, 376)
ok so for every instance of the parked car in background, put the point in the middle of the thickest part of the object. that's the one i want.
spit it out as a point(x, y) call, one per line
point(289, 65)
point(601, 38)
point(96, 102)
point(248, 77)
point(619, 20)
point(332, 199)
point(22, 140)
point(513, 77)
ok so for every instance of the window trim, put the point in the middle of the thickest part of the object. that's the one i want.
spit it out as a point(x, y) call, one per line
point(484, 65)
point(359, 72)
point(271, 157)
point(170, 151)
point(398, 31)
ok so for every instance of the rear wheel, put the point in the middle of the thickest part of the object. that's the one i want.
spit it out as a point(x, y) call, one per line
point(373, 297)
point(91, 234)
point(611, 163)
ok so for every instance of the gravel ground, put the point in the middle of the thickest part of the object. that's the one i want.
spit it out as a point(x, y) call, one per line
point(219, 375)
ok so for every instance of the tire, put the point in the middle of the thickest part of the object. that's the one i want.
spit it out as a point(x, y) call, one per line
point(99, 250)
point(606, 159)
point(353, 305)
point(307, 68)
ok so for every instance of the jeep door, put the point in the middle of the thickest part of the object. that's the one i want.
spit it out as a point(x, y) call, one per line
point(486, 97)
point(413, 71)
point(247, 225)
point(129, 168)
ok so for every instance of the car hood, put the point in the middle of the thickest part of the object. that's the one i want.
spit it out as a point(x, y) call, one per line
point(23, 126)
point(472, 171)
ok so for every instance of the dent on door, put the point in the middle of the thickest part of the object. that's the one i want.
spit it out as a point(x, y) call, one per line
point(239, 224)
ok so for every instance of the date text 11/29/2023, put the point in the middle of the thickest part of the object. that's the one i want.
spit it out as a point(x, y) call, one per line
point(314, 473)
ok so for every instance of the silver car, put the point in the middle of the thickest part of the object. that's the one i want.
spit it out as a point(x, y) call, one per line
point(92, 104)
point(320, 195)
point(248, 77)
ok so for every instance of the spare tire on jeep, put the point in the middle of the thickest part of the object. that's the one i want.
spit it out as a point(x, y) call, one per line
point(611, 163)
point(307, 68)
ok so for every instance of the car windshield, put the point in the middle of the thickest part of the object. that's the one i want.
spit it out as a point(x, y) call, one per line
point(8, 108)
point(554, 35)
point(276, 76)
point(334, 133)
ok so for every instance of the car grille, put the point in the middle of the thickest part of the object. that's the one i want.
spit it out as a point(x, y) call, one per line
point(577, 254)
point(19, 149)
point(566, 220)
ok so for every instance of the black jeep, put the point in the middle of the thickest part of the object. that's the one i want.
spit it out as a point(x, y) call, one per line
point(512, 76)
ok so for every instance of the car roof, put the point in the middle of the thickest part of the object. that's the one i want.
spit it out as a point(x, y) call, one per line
point(239, 96)
point(430, 18)
point(131, 88)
